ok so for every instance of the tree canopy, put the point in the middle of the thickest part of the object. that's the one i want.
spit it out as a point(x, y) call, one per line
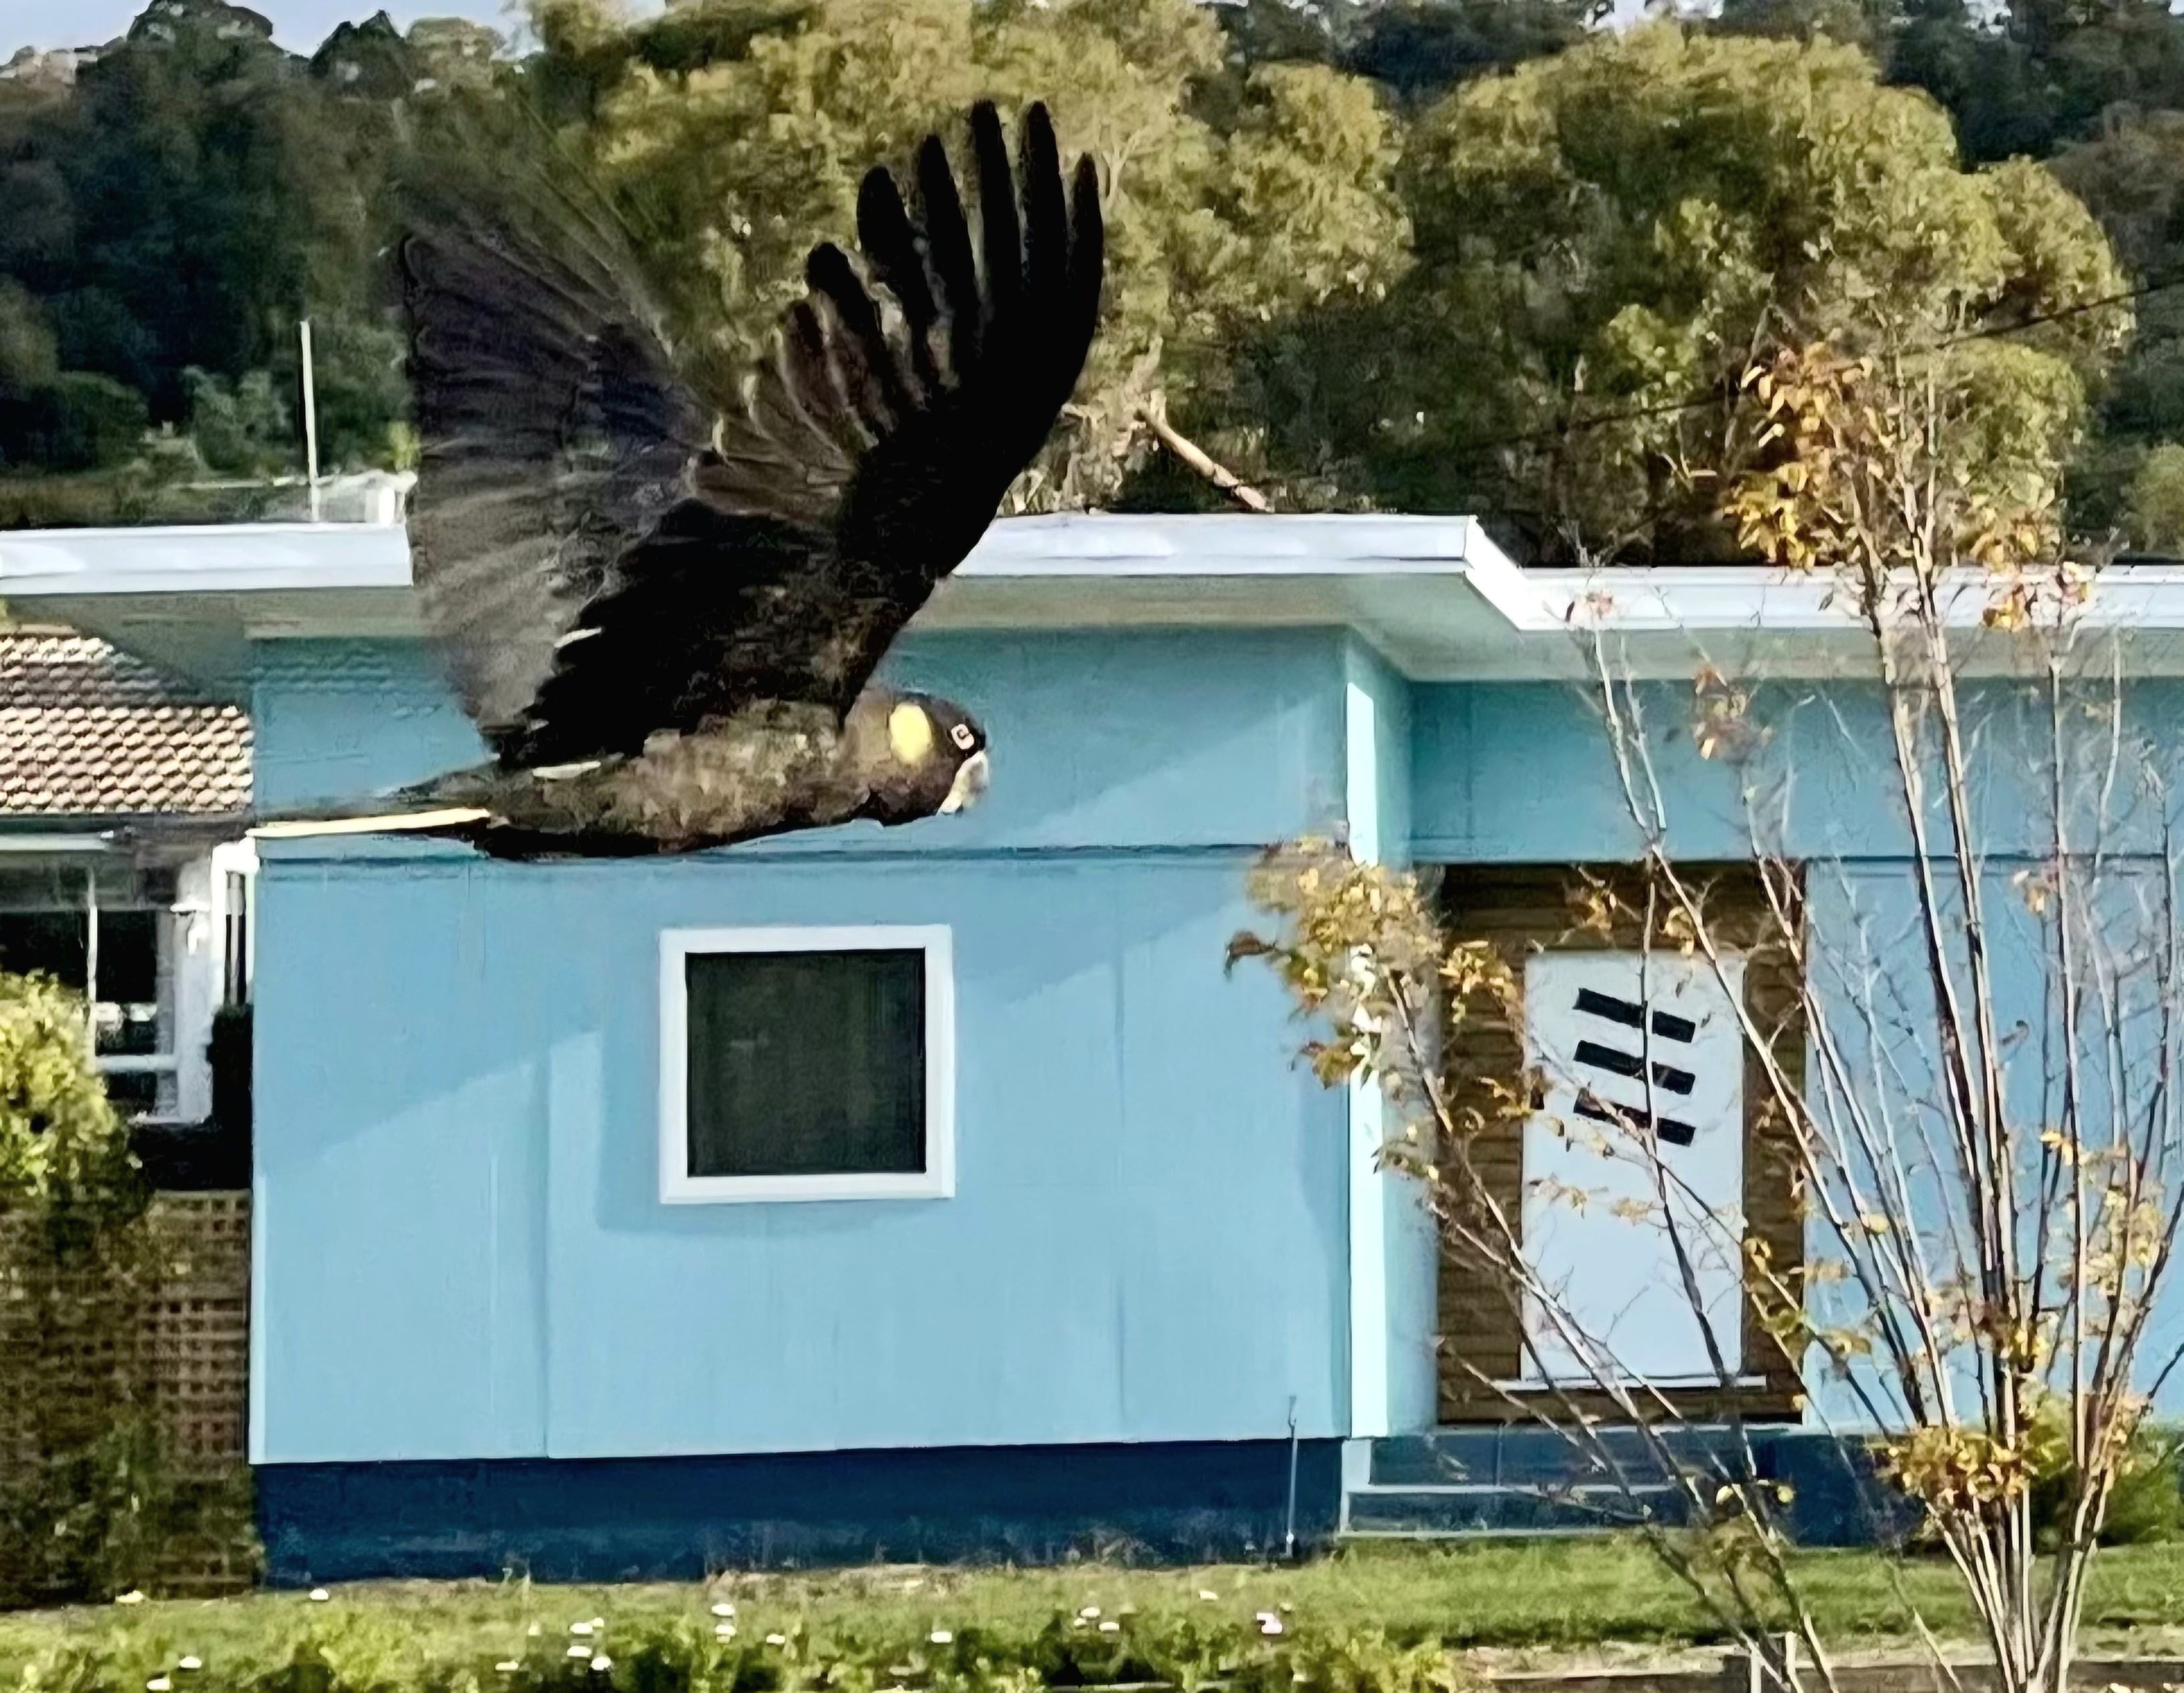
point(1482, 255)
point(169, 212)
point(1236, 195)
point(1607, 239)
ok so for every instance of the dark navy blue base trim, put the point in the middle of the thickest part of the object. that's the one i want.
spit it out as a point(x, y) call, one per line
point(681, 1518)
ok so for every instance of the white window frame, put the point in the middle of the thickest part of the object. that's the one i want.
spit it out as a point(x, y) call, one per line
point(936, 1181)
point(179, 1063)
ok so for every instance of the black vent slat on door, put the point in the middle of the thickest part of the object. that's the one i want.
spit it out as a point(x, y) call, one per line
point(1629, 1012)
point(1674, 1130)
point(1599, 1057)
point(1613, 1061)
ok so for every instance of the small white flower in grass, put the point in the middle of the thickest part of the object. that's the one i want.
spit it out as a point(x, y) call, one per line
point(1088, 1612)
point(1110, 1627)
point(190, 1662)
point(724, 1609)
point(724, 1631)
point(159, 1683)
point(534, 1631)
point(132, 1597)
point(508, 1665)
point(777, 1640)
point(602, 1662)
point(319, 1596)
point(941, 1637)
point(1208, 1595)
point(1269, 1623)
point(580, 1651)
point(581, 1628)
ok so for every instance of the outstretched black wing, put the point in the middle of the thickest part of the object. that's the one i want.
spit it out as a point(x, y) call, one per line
point(604, 556)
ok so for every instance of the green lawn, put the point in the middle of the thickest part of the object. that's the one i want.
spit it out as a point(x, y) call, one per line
point(1558, 1595)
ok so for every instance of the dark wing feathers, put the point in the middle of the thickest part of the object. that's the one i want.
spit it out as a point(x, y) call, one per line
point(891, 253)
point(948, 250)
point(607, 557)
point(555, 432)
point(998, 219)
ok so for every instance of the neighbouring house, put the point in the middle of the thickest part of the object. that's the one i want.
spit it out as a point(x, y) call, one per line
point(934, 1191)
point(124, 872)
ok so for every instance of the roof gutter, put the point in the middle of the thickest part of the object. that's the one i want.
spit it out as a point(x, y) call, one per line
point(1703, 599)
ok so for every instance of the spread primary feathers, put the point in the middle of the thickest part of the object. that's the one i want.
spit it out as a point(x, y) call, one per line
point(614, 559)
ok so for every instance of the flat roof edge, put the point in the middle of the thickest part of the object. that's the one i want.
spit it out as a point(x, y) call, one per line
point(174, 564)
point(209, 558)
point(246, 558)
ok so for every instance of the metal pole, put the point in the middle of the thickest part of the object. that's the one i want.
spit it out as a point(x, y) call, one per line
point(1288, 1526)
point(310, 422)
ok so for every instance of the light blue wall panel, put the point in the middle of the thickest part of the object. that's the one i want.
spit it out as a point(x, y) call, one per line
point(1874, 982)
point(1522, 772)
point(340, 719)
point(1145, 1243)
point(1157, 738)
point(463, 1249)
point(1395, 1253)
point(400, 1179)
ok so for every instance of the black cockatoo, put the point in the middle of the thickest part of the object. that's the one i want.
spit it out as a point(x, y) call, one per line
point(663, 611)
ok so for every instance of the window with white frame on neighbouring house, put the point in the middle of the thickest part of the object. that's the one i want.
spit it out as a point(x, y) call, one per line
point(108, 931)
point(806, 1064)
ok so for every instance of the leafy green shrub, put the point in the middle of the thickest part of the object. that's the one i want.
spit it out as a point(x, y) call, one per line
point(2148, 1504)
point(61, 1144)
point(241, 427)
point(2157, 500)
point(133, 494)
point(83, 1515)
point(2145, 1504)
point(689, 1654)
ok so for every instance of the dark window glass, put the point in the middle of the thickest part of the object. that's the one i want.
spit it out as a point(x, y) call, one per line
point(134, 1095)
point(806, 1063)
point(44, 943)
point(129, 956)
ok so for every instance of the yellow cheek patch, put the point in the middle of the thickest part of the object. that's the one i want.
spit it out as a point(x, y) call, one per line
point(909, 733)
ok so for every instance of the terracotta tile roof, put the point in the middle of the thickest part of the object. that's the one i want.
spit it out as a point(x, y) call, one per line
point(87, 731)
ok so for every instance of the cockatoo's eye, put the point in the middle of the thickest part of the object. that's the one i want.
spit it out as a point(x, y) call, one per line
point(964, 736)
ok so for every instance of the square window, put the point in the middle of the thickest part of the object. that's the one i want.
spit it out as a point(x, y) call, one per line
point(813, 1064)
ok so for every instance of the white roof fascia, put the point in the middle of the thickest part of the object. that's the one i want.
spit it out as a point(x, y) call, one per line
point(1434, 593)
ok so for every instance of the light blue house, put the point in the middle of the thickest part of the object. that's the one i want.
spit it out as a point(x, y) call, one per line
point(1071, 1253)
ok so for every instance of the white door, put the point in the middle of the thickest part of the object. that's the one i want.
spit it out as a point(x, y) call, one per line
point(1603, 1221)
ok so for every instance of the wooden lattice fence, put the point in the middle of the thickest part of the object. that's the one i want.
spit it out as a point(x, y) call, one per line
point(127, 1367)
